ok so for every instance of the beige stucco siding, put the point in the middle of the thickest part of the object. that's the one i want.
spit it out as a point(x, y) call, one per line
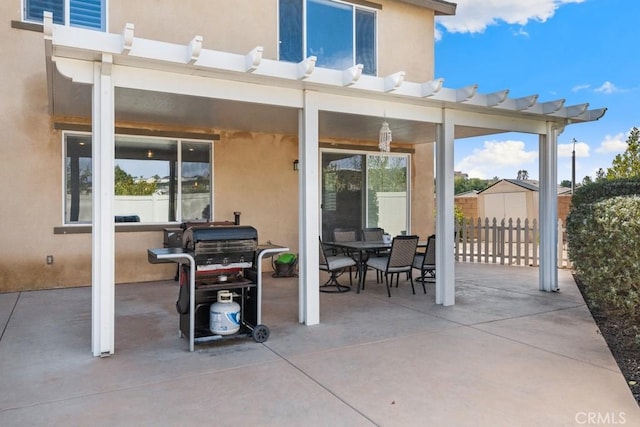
point(31, 157)
point(254, 175)
point(406, 41)
point(422, 196)
point(235, 26)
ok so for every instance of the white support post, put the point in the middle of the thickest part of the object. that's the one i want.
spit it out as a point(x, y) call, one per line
point(102, 260)
point(309, 220)
point(445, 266)
point(548, 276)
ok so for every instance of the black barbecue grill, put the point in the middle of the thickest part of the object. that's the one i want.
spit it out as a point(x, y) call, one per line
point(216, 249)
point(223, 258)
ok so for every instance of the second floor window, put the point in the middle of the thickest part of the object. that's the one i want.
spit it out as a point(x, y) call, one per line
point(339, 34)
point(76, 13)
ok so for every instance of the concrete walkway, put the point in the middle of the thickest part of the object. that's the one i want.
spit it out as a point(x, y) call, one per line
point(505, 355)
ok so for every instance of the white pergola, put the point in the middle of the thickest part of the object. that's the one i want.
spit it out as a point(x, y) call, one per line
point(86, 68)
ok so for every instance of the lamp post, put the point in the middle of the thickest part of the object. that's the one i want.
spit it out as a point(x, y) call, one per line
point(573, 167)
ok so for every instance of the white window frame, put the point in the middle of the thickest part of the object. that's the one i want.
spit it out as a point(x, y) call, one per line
point(355, 6)
point(179, 142)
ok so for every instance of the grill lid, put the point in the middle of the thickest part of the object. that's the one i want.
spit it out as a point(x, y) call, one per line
point(222, 247)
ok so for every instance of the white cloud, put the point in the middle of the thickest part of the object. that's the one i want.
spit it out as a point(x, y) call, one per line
point(580, 87)
point(437, 34)
point(566, 150)
point(474, 16)
point(613, 144)
point(607, 88)
point(497, 158)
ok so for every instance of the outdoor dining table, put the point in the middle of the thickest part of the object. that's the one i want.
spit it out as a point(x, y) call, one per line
point(360, 250)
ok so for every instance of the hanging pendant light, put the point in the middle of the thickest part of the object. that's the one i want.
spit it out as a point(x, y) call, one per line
point(384, 141)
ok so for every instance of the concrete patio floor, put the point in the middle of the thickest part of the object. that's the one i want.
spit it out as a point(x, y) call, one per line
point(505, 355)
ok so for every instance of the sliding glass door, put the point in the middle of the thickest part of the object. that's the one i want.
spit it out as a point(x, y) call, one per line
point(364, 190)
point(388, 193)
point(343, 196)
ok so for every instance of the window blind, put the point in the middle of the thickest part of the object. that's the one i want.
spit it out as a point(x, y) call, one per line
point(87, 14)
point(35, 8)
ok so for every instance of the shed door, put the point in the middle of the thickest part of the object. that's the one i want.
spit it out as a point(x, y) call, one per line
point(505, 206)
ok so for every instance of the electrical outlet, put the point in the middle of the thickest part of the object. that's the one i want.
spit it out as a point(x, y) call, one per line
point(49, 259)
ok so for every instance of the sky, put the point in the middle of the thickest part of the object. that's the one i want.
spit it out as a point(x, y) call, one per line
point(583, 51)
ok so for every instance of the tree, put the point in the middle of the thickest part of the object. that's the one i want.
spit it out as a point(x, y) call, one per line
point(523, 175)
point(565, 183)
point(587, 180)
point(627, 164)
point(126, 185)
point(462, 184)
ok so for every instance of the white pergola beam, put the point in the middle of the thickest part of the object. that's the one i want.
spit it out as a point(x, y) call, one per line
point(253, 59)
point(466, 93)
point(497, 98)
point(526, 102)
point(193, 50)
point(351, 75)
point(394, 81)
point(552, 106)
point(306, 67)
point(576, 110)
point(431, 87)
point(127, 38)
point(593, 115)
point(125, 45)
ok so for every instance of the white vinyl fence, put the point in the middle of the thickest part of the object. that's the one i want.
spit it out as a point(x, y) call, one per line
point(506, 242)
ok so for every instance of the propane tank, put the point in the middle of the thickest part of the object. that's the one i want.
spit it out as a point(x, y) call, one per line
point(224, 315)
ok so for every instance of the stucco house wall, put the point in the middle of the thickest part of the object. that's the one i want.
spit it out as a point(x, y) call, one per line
point(250, 169)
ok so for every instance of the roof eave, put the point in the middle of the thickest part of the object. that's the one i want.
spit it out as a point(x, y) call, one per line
point(440, 7)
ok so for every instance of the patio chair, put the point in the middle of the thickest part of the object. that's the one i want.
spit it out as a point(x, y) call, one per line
point(335, 265)
point(375, 234)
point(345, 235)
point(400, 260)
point(426, 263)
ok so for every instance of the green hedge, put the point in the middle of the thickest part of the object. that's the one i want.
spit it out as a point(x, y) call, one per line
point(603, 230)
point(593, 192)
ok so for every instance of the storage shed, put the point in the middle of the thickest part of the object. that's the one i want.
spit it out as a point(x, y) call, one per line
point(516, 198)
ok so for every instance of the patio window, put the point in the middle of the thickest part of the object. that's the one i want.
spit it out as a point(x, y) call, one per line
point(338, 33)
point(156, 180)
point(76, 13)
